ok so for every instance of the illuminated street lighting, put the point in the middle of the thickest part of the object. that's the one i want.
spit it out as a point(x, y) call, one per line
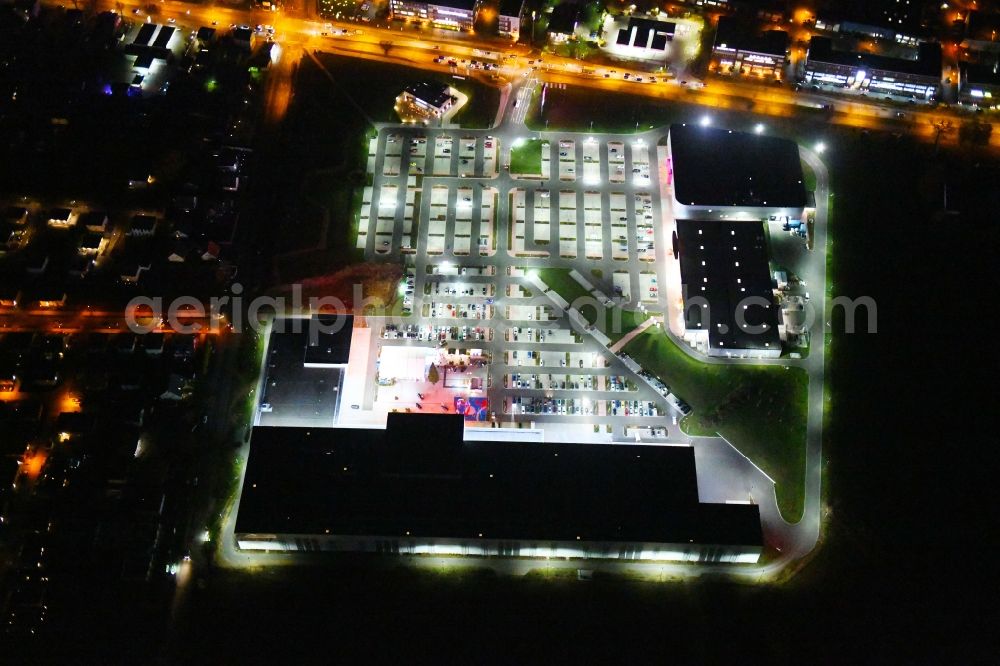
point(759, 128)
point(820, 147)
point(706, 121)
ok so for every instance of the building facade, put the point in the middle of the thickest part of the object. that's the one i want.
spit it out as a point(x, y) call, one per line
point(421, 487)
point(445, 14)
point(509, 19)
point(864, 72)
point(979, 85)
point(739, 50)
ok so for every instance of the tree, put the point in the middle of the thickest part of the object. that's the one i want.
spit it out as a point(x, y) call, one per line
point(432, 374)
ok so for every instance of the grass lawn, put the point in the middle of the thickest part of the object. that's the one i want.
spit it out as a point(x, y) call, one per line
point(382, 82)
point(527, 158)
point(808, 178)
point(761, 410)
point(615, 323)
point(584, 109)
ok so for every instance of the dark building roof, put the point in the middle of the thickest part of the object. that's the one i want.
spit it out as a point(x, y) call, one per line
point(511, 7)
point(93, 218)
point(928, 62)
point(718, 167)
point(740, 35)
point(645, 33)
point(433, 93)
point(14, 213)
point(418, 477)
point(725, 263)
point(91, 241)
point(163, 38)
point(145, 34)
point(455, 4)
point(903, 17)
point(206, 33)
point(563, 19)
point(982, 26)
point(329, 341)
point(973, 74)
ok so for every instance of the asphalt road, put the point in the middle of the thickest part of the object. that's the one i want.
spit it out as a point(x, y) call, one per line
point(299, 30)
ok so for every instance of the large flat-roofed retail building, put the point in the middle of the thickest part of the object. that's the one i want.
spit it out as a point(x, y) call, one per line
point(417, 487)
point(741, 49)
point(724, 174)
point(447, 14)
point(729, 307)
point(304, 375)
point(866, 72)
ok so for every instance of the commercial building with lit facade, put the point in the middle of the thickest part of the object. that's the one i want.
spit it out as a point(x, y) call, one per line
point(979, 85)
point(509, 19)
point(740, 49)
point(430, 99)
point(891, 20)
point(420, 487)
point(723, 174)
point(447, 14)
point(882, 75)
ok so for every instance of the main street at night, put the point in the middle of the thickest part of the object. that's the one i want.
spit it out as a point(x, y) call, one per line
point(300, 31)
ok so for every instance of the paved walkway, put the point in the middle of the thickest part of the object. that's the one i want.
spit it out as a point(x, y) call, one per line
point(627, 338)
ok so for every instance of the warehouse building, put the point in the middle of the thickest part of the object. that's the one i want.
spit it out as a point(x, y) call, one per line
point(417, 487)
point(647, 35)
point(722, 174)
point(729, 307)
point(866, 72)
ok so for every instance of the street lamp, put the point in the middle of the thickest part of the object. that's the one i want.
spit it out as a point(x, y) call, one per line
point(759, 128)
point(705, 121)
point(820, 147)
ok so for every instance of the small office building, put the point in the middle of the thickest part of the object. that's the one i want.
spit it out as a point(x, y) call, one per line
point(563, 21)
point(509, 19)
point(430, 99)
point(418, 487)
point(870, 73)
point(741, 49)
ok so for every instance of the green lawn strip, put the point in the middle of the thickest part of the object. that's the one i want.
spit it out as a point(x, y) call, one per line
point(616, 321)
point(382, 82)
point(808, 177)
point(761, 410)
point(527, 157)
point(620, 322)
